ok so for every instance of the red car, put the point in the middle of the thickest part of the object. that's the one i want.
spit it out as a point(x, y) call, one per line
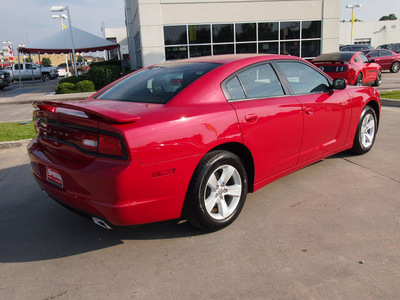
point(193, 137)
point(387, 59)
point(355, 67)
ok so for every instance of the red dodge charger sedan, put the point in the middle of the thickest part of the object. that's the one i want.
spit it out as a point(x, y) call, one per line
point(192, 137)
point(355, 67)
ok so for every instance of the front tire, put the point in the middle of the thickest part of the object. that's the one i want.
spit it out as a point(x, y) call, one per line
point(217, 191)
point(366, 131)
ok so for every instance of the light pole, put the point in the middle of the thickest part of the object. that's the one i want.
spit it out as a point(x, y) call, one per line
point(60, 9)
point(19, 68)
point(62, 16)
point(352, 7)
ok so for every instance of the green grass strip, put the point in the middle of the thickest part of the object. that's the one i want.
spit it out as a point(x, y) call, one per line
point(391, 95)
point(16, 131)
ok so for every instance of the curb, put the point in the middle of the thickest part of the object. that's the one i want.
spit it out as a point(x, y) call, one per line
point(14, 144)
point(390, 102)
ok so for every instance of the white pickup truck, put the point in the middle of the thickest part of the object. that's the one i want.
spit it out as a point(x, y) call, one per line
point(31, 70)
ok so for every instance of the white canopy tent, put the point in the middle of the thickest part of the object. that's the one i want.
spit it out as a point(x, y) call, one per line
point(60, 42)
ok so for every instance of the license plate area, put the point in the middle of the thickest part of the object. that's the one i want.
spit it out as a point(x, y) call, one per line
point(53, 176)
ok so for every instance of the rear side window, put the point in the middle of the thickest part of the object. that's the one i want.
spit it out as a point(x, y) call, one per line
point(157, 84)
point(258, 82)
point(384, 53)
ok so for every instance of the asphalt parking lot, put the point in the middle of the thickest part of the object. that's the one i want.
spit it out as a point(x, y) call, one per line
point(328, 231)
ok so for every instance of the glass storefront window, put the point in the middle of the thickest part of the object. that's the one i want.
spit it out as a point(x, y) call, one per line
point(300, 38)
point(311, 29)
point(202, 50)
point(291, 48)
point(271, 47)
point(175, 35)
point(199, 34)
point(222, 33)
point(178, 52)
point(223, 49)
point(246, 48)
point(310, 48)
point(290, 30)
point(245, 32)
point(268, 31)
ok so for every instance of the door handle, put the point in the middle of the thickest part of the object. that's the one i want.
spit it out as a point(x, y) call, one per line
point(251, 118)
point(309, 111)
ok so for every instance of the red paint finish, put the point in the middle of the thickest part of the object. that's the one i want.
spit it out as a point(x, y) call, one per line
point(131, 162)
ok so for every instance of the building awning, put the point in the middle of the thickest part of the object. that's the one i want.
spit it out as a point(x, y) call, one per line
point(61, 43)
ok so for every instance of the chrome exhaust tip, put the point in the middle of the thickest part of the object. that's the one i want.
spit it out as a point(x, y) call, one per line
point(101, 223)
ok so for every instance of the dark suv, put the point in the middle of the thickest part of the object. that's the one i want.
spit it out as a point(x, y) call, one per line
point(395, 47)
point(5, 79)
point(356, 47)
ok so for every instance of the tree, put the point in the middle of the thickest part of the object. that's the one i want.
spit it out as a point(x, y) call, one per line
point(81, 59)
point(46, 62)
point(28, 59)
point(390, 17)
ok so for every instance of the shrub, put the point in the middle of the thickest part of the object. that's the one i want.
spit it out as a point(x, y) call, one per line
point(104, 75)
point(84, 86)
point(65, 88)
point(71, 79)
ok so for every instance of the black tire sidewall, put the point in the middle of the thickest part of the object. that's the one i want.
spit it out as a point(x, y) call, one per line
point(398, 65)
point(359, 79)
point(358, 148)
point(46, 77)
point(212, 162)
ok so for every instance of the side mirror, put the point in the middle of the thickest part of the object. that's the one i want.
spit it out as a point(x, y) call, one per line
point(339, 83)
point(372, 60)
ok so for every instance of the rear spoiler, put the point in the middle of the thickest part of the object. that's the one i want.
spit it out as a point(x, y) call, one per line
point(79, 110)
point(331, 61)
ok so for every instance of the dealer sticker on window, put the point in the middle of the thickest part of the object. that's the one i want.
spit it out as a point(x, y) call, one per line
point(54, 176)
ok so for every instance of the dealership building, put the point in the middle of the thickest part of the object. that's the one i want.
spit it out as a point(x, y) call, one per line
point(160, 30)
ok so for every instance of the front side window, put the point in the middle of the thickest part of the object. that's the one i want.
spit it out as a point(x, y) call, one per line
point(363, 58)
point(157, 84)
point(373, 54)
point(303, 79)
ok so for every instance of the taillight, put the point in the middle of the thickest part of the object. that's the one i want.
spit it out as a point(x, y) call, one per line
point(110, 145)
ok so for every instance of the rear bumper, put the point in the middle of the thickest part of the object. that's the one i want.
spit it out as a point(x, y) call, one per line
point(120, 192)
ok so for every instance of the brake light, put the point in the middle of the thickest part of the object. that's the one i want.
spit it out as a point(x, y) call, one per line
point(110, 145)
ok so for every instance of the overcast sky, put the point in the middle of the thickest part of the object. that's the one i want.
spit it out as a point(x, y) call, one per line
point(28, 21)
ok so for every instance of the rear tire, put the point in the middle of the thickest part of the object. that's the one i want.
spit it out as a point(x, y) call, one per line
point(395, 67)
point(366, 131)
point(46, 76)
point(217, 191)
point(359, 80)
point(378, 79)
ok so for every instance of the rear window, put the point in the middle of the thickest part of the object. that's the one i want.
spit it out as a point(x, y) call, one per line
point(341, 56)
point(157, 84)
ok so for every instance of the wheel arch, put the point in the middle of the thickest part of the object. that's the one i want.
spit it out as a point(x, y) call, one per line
point(375, 106)
point(245, 155)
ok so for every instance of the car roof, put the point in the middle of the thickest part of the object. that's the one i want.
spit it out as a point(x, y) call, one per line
point(228, 58)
